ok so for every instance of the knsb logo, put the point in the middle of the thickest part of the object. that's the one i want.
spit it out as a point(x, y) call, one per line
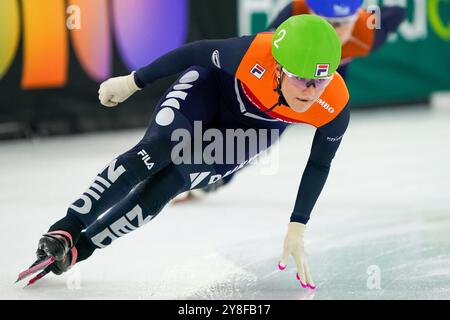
point(141, 28)
point(322, 70)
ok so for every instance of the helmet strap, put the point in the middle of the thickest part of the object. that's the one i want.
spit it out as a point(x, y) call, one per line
point(281, 99)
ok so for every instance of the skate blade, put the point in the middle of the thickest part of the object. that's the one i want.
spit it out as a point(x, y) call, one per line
point(36, 278)
point(35, 268)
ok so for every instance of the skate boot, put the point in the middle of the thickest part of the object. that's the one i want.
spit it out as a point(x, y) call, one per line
point(59, 246)
point(56, 253)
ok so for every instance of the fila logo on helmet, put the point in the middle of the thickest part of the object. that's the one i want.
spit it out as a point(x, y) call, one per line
point(322, 69)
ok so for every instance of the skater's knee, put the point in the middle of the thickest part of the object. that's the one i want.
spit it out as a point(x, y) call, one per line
point(155, 193)
point(146, 158)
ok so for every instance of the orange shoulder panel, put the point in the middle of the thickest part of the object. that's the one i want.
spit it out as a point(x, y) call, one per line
point(300, 7)
point(257, 69)
point(258, 77)
point(362, 39)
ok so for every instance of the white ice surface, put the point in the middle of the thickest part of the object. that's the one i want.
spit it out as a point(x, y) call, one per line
point(386, 204)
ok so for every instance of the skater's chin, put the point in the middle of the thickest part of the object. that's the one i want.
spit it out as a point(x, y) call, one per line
point(301, 104)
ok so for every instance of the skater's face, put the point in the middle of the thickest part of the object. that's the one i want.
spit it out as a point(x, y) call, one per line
point(344, 28)
point(345, 32)
point(299, 98)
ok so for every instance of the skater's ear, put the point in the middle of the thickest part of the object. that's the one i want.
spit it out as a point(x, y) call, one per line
point(278, 68)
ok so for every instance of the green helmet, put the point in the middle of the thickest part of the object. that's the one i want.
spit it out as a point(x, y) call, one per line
point(307, 46)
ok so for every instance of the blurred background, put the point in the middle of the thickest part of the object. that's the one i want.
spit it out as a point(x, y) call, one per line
point(49, 73)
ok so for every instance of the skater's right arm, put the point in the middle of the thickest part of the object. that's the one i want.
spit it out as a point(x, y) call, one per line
point(225, 54)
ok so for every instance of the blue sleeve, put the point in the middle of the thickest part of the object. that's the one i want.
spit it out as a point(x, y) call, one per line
point(224, 54)
point(284, 14)
point(391, 18)
point(325, 144)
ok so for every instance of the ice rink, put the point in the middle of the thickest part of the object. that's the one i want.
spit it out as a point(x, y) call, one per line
point(383, 218)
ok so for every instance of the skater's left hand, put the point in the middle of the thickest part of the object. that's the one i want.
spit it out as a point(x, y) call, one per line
point(294, 245)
